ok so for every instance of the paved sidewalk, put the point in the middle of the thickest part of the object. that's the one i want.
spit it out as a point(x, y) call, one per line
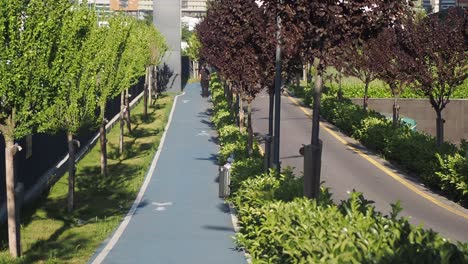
point(180, 218)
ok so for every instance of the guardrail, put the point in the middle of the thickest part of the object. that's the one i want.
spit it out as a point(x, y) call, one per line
point(51, 176)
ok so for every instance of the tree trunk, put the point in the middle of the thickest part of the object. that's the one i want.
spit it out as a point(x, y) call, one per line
point(14, 238)
point(145, 93)
point(271, 108)
point(71, 173)
point(313, 152)
point(365, 103)
point(122, 122)
point(195, 75)
point(232, 106)
point(241, 115)
point(316, 108)
point(127, 112)
point(340, 86)
point(227, 91)
point(156, 89)
point(231, 93)
point(249, 129)
point(298, 80)
point(396, 111)
point(236, 109)
point(268, 141)
point(150, 85)
point(304, 72)
point(103, 141)
point(309, 73)
point(439, 128)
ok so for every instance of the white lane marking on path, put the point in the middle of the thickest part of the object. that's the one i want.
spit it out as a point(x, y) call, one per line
point(185, 101)
point(203, 133)
point(161, 206)
point(116, 236)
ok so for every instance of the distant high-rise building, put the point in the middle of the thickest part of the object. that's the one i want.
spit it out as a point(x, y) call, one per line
point(434, 6)
point(137, 8)
point(462, 3)
point(194, 8)
point(124, 5)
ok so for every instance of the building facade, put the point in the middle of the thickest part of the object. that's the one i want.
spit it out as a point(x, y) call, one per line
point(137, 8)
point(194, 8)
point(434, 6)
point(462, 3)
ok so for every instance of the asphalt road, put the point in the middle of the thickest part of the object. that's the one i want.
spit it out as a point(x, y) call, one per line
point(180, 218)
point(344, 170)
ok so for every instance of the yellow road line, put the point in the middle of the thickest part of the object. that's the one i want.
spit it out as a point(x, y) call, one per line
point(380, 166)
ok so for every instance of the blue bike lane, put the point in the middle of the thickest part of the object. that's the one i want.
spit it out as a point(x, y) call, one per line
point(178, 217)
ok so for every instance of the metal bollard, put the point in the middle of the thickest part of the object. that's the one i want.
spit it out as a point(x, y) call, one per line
point(224, 180)
point(221, 181)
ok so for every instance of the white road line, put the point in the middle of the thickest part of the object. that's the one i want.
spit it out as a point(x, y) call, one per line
point(116, 236)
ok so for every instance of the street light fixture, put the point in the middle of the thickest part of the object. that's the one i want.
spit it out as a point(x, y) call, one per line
point(273, 152)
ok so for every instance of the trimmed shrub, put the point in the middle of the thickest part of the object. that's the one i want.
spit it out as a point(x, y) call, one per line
point(244, 169)
point(305, 231)
point(453, 176)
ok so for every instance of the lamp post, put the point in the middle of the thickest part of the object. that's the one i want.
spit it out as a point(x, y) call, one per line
point(278, 81)
point(272, 139)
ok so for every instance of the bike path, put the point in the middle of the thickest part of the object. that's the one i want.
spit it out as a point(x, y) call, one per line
point(180, 218)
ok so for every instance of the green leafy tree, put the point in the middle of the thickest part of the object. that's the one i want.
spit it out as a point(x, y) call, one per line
point(193, 52)
point(74, 101)
point(112, 42)
point(186, 33)
point(28, 33)
point(130, 68)
point(156, 44)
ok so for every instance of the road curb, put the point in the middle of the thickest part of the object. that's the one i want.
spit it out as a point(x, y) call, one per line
point(235, 224)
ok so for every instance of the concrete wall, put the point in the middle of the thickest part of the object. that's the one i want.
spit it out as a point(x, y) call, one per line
point(455, 115)
point(167, 20)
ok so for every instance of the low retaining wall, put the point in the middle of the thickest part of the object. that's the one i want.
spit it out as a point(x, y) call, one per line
point(455, 115)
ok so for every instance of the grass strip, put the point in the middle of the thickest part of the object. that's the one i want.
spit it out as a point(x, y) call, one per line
point(50, 235)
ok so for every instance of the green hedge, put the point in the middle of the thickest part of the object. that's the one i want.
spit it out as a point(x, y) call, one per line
point(278, 226)
point(297, 230)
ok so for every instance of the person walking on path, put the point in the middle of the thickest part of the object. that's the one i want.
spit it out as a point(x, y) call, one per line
point(205, 80)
